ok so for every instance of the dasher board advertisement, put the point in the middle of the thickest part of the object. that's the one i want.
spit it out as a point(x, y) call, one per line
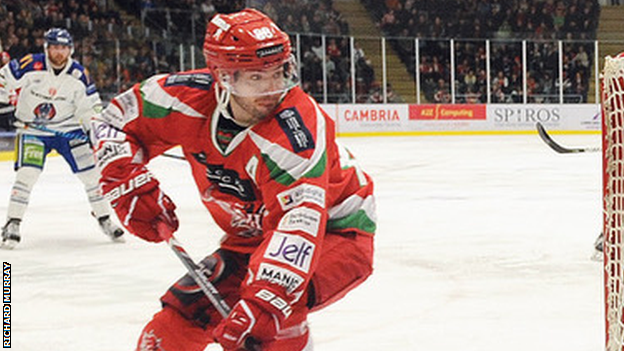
point(462, 118)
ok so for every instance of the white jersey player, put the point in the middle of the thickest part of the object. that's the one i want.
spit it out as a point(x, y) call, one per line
point(54, 100)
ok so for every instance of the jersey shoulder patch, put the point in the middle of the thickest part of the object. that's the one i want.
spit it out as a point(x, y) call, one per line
point(28, 63)
point(162, 95)
point(291, 122)
point(77, 71)
point(296, 117)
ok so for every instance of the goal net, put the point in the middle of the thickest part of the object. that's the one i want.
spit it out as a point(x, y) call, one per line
point(613, 199)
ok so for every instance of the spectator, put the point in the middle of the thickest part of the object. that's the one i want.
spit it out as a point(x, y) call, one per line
point(442, 95)
point(470, 80)
point(4, 58)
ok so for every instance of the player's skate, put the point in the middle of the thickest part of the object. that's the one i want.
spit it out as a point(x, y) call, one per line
point(598, 248)
point(10, 234)
point(110, 229)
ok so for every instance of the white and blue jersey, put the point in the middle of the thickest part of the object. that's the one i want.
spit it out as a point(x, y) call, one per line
point(61, 102)
point(54, 109)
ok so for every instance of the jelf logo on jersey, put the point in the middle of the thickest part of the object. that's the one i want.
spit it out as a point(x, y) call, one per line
point(292, 250)
point(45, 111)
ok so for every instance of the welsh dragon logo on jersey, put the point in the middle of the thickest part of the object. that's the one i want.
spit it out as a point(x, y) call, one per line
point(45, 111)
point(227, 180)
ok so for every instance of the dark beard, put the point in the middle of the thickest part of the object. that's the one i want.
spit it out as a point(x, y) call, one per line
point(256, 115)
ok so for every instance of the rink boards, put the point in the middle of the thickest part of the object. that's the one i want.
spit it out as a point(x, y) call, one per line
point(443, 119)
point(406, 119)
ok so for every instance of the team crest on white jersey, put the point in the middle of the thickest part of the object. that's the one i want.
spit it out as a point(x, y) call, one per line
point(44, 111)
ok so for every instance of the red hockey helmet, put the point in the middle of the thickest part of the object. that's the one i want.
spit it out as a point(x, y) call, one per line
point(247, 40)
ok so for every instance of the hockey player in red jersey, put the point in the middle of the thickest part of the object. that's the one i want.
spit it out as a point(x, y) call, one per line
point(297, 211)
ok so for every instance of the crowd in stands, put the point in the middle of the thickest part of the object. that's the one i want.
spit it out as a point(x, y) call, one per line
point(120, 45)
point(530, 19)
point(100, 32)
point(96, 28)
point(505, 23)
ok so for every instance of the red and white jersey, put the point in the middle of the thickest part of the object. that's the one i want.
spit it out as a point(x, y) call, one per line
point(279, 186)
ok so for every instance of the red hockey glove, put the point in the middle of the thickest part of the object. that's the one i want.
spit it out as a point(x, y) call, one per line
point(248, 322)
point(140, 205)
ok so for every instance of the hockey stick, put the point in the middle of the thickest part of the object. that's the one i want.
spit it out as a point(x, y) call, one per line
point(175, 157)
point(68, 135)
point(197, 273)
point(558, 147)
point(77, 136)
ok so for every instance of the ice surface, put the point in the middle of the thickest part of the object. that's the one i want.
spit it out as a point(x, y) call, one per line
point(483, 244)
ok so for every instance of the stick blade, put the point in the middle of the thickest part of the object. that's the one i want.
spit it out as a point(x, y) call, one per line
point(551, 143)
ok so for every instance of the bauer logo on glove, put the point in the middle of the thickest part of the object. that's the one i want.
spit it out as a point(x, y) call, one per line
point(141, 205)
point(126, 188)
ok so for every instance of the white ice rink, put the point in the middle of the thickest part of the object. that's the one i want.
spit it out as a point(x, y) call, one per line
point(484, 244)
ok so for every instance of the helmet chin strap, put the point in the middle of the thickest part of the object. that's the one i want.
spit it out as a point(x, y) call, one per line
point(223, 95)
point(284, 94)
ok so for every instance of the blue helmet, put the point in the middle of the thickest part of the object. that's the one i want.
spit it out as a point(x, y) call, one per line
point(58, 36)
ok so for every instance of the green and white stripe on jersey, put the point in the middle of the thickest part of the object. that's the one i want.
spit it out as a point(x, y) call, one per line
point(286, 166)
point(157, 103)
point(353, 212)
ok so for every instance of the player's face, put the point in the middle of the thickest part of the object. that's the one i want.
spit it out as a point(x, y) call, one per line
point(58, 55)
point(256, 93)
point(259, 82)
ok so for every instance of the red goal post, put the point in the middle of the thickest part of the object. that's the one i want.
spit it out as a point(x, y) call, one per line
point(613, 199)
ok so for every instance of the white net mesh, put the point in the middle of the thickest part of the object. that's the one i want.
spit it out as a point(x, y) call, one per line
point(613, 197)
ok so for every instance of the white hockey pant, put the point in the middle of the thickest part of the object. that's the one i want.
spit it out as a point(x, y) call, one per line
point(25, 179)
